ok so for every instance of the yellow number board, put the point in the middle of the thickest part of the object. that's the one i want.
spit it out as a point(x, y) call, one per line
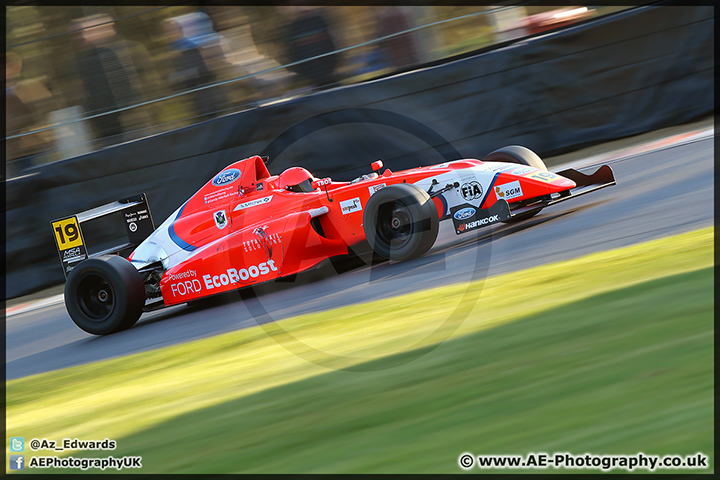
point(67, 233)
point(543, 176)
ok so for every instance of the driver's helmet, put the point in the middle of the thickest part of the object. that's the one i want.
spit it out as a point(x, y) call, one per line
point(296, 179)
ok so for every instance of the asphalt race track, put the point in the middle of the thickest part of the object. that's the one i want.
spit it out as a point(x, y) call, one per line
point(659, 193)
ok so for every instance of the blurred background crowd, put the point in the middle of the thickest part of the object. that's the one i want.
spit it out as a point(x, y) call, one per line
point(83, 78)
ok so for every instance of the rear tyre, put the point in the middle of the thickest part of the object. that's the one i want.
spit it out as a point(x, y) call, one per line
point(521, 155)
point(104, 295)
point(400, 222)
point(516, 154)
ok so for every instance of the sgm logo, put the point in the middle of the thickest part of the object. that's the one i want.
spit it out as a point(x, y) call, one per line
point(464, 213)
point(352, 205)
point(509, 190)
point(233, 276)
point(226, 176)
point(471, 191)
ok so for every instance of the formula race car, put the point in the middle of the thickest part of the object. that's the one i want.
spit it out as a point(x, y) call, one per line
point(245, 226)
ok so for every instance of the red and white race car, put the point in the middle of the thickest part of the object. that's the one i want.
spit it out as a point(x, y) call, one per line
point(246, 226)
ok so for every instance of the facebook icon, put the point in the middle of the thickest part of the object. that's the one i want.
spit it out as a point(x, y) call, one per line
point(17, 462)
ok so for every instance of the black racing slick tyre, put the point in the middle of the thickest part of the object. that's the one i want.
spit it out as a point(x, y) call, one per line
point(400, 222)
point(523, 156)
point(104, 295)
point(516, 154)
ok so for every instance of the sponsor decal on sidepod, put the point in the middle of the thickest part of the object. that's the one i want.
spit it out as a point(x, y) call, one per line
point(232, 276)
point(253, 203)
point(220, 219)
point(352, 205)
point(377, 187)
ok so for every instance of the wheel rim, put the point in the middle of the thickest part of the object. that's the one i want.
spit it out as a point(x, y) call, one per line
point(96, 297)
point(394, 224)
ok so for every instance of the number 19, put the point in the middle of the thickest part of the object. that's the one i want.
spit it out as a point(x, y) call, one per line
point(70, 230)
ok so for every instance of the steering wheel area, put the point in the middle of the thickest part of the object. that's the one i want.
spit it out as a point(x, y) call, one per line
point(369, 176)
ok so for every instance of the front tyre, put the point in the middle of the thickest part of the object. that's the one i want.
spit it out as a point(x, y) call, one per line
point(523, 156)
point(104, 295)
point(516, 154)
point(400, 222)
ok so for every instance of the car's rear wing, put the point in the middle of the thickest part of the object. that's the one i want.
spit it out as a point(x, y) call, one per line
point(70, 240)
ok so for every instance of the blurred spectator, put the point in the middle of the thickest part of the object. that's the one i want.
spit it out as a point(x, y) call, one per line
point(308, 35)
point(190, 70)
point(508, 24)
point(247, 58)
point(198, 29)
point(23, 102)
point(108, 73)
point(399, 51)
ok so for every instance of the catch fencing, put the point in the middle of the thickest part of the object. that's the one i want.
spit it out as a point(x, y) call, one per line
point(621, 75)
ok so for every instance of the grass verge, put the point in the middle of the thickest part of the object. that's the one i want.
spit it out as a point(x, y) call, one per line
point(609, 353)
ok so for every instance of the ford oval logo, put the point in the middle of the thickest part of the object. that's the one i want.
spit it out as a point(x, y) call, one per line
point(464, 213)
point(226, 176)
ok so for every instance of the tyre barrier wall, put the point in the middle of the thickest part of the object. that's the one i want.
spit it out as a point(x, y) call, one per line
point(620, 75)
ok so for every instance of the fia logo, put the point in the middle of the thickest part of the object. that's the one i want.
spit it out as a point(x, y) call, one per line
point(220, 219)
point(471, 191)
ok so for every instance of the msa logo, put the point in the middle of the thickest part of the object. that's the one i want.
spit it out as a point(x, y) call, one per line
point(220, 219)
point(465, 213)
point(509, 190)
point(225, 177)
point(471, 191)
point(352, 205)
point(73, 255)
